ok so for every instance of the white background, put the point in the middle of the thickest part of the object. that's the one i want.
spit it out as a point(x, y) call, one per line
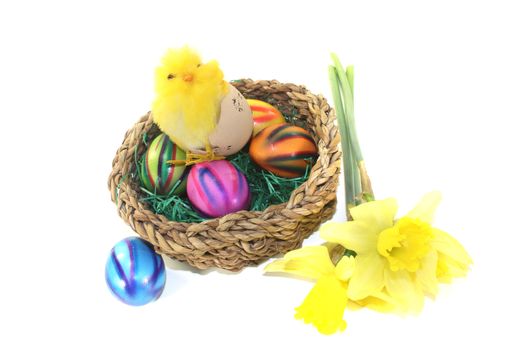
point(439, 105)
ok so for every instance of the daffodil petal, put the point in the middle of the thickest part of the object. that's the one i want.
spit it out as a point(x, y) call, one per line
point(377, 215)
point(384, 296)
point(448, 268)
point(426, 208)
point(276, 266)
point(448, 245)
point(354, 305)
point(335, 251)
point(330, 246)
point(404, 291)
point(354, 235)
point(367, 278)
point(345, 268)
point(324, 306)
point(380, 302)
point(309, 262)
point(426, 275)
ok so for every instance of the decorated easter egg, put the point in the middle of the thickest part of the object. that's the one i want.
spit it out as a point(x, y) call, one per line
point(264, 115)
point(156, 174)
point(235, 125)
point(135, 274)
point(283, 149)
point(217, 188)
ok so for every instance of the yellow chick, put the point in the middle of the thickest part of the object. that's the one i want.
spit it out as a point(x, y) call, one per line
point(188, 99)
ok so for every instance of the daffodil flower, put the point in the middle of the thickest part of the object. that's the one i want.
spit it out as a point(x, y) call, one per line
point(399, 260)
point(324, 306)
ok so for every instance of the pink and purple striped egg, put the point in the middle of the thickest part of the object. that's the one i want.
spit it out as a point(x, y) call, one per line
point(217, 188)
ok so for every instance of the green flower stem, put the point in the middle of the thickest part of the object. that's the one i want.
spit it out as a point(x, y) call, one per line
point(356, 152)
point(350, 77)
point(348, 160)
point(366, 186)
point(348, 97)
point(352, 181)
point(358, 188)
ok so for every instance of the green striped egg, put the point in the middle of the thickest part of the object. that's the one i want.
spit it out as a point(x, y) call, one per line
point(156, 174)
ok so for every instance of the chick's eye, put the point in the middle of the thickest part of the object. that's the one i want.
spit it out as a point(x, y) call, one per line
point(199, 65)
point(171, 76)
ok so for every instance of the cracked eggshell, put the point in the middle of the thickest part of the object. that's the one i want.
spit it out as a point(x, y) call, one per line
point(235, 125)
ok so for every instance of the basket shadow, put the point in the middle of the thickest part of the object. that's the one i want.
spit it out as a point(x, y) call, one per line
point(182, 266)
point(176, 281)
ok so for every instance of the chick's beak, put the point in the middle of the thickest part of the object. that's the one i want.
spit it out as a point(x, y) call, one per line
point(188, 78)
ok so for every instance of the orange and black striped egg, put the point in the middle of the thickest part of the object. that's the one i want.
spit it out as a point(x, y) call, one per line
point(156, 174)
point(283, 149)
point(264, 115)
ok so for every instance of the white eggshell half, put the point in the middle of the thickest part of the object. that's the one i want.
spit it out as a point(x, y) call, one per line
point(235, 124)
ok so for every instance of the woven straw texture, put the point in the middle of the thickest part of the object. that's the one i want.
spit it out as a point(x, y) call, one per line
point(243, 238)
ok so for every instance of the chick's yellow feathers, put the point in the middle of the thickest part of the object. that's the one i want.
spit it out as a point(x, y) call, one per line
point(188, 97)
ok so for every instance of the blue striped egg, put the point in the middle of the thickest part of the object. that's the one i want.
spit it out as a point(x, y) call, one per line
point(135, 274)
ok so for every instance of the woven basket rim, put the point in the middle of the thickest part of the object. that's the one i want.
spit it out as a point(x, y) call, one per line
point(181, 240)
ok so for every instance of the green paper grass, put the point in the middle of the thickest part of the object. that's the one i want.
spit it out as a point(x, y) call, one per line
point(266, 188)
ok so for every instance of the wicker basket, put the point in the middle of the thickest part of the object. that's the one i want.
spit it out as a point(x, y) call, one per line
point(246, 237)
